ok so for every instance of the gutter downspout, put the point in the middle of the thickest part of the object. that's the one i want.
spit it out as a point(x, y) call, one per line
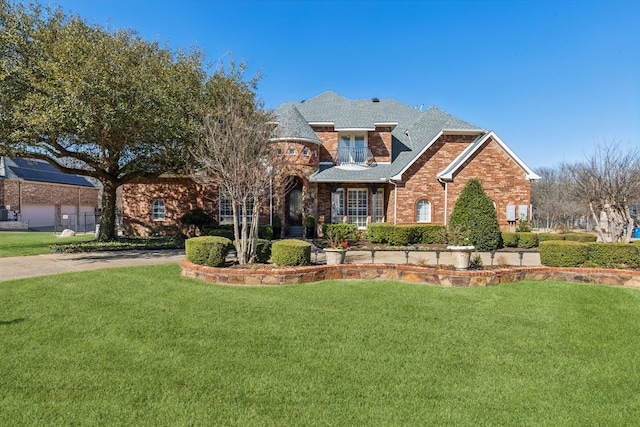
point(446, 199)
point(395, 200)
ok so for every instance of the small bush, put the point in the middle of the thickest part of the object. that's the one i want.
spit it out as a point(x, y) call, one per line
point(509, 239)
point(401, 235)
point(523, 226)
point(339, 232)
point(196, 218)
point(265, 232)
point(580, 237)
point(614, 255)
point(543, 237)
point(378, 232)
point(527, 240)
point(563, 254)
point(291, 252)
point(263, 251)
point(208, 250)
point(221, 232)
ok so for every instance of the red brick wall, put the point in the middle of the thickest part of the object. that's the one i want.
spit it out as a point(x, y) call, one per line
point(299, 158)
point(180, 195)
point(379, 143)
point(47, 194)
point(502, 179)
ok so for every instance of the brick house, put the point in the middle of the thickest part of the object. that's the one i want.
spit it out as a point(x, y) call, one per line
point(359, 161)
point(33, 194)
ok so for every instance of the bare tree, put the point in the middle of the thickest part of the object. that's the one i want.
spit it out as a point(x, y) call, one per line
point(236, 156)
point(607, 182)
point(552, 197)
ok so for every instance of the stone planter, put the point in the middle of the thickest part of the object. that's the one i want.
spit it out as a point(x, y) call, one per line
point(335, 256)
point(461, 256)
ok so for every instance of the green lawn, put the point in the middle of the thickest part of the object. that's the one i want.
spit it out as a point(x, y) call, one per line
point(143, 346)
point(18, 243)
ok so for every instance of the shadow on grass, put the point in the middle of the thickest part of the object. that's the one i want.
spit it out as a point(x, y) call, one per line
point(12, 322)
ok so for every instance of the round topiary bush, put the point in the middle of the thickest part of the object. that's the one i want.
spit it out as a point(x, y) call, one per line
point(207, 250)
point(475, 217)
point(560, 253)
point(527, 240)
point(291, 252)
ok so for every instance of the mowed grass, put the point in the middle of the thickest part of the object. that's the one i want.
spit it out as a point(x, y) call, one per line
point(20, 243)
point(143, 346)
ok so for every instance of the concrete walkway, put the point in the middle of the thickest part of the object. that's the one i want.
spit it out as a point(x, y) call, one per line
point(42, 265)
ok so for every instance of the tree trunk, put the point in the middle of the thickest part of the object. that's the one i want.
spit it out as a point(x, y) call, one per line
point(107, 229)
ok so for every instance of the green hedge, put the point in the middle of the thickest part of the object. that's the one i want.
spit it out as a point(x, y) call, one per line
point(208, 250)
point(527, 240)
point(559, 253)
point(543, 237)
point(291, 252)
point(263, 251)
point(509, 239)
point(400, 235)
point(614, 255)
point(580, 237)
point(221, 232)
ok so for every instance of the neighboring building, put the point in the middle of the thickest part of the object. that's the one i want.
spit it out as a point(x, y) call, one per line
point(33, 194)
point(359, 161)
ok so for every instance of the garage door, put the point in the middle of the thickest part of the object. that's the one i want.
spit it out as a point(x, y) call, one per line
point(38, 215)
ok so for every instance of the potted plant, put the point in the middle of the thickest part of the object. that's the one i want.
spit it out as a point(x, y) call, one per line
point(277, 227)
point(460, 246)
point(337, 250)
point(310, 225)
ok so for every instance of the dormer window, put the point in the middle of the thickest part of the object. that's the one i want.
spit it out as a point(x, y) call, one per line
point(353, 149)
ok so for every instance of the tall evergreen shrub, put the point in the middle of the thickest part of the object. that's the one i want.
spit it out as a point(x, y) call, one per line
point(474, 216)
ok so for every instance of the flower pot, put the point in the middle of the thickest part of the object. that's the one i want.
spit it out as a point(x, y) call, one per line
point(461, 256)
point(335, 256)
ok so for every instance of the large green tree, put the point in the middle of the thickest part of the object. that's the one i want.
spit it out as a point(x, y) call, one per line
point(94, 101)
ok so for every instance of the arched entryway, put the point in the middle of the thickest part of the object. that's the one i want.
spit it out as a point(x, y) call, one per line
point(294, 209)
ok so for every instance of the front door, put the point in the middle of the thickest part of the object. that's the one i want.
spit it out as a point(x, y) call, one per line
point(295, 207)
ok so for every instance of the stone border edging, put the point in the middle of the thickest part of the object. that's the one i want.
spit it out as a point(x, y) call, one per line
point(407, 273)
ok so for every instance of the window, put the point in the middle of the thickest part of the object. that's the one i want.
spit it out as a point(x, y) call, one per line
point(380, 205)
point(423, 211)
point(357, 207)
point(305, 152)
point(337, 206)
point(226, 212)
point(292, 151)
point(353, 148)
point(158, 210)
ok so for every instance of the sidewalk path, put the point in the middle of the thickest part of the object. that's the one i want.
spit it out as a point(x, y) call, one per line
point(42, 265)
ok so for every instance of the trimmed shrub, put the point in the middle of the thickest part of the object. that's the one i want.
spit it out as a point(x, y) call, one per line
point(196, 219)
point(475, 217)
point(207, 250)
point(263, 251)
point(614, 255)
point(340, 232)
point(510, 239)
point(430, 234)
point(580, 237)
point(221, 232)
point(378, 232)
point(543, 237)
point(563, 254)
point(527, 240)
point(291, 252)
point(401, 235)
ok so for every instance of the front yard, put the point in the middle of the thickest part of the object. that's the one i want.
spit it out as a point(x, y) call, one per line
point(144, 346)
point(19, 243)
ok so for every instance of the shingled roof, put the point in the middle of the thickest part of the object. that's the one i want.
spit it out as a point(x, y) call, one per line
point(413, 130)
point(33, 170)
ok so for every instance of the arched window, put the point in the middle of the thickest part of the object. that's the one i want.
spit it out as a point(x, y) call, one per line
point(423, 211)
point(158, 210)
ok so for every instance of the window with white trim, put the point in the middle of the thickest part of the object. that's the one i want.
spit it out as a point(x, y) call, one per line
point(380, 205)
point(226, 211)
point(423, 211)
point(353, 148)
point(158, 210)
point(337, 206)
point(358, 206)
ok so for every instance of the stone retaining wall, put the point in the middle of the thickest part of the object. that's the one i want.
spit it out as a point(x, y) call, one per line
point(407, 273)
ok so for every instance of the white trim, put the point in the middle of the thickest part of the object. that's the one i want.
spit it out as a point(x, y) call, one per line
point(355, 129)
point(463, 131)
point(392, 125)
point(321, 123)
point(295, 139)
point(447, 173)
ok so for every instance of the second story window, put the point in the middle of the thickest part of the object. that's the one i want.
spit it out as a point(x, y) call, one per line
point(353, 148)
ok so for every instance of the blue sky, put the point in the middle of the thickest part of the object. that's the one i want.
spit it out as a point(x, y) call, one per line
point(551, 78)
